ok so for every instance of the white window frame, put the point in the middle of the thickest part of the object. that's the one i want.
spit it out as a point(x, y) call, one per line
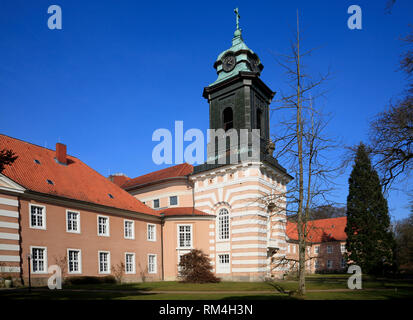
point(45, 265)
point(178, 233)
point(104, 272)
point(316, 264)
point(328, 264)
point(79, 262)
point(223, 267)
point(132, 237)
point(177, 201)
point(67, 221)
point(107, 234)
point(148, 233)
point(329, 249)
point(316, 249)
point(43, 227)
point(342, 247)
point(155, 263)
point(133, 263)
point(218, 226)
point(294, 250)
point(153, 203)
point(343, 263)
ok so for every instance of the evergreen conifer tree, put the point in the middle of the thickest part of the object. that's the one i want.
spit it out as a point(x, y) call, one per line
point(370, 242)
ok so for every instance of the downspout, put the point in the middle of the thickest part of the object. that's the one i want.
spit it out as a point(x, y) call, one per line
point(192, 184)
point(20, 242)
point(162, 264)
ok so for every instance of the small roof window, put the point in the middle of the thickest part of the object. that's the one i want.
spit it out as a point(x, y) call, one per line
point(49, 181)
point(36, 161)
point(110, 196)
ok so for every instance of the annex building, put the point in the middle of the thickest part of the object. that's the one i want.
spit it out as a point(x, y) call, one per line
point(54, 208)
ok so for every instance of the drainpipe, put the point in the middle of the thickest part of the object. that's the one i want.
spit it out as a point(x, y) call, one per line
point(162, 264)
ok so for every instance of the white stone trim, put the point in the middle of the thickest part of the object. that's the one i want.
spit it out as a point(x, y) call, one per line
point(10, 225)
point(7, 269)
point(9, 202)
point(249, 246)
point(4, 258)
point(9, 236)
point(262, 269)
point(249, 222)
point(257, 261)
point(249, 254)
point(252, 238)
point(9, 213)
point(9, 247)
point(247, 230)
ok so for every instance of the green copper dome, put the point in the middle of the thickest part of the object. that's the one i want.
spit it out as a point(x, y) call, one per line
point(236, 59)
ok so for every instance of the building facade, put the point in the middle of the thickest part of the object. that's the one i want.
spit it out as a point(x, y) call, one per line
point(54, 209)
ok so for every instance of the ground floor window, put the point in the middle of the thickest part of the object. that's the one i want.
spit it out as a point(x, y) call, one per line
point(223, 263)
point(39, 259)
point(343, 263)
point(73, 259)
point(330, 264)
point(152, 263)
point(104, 262)
point(129, 262)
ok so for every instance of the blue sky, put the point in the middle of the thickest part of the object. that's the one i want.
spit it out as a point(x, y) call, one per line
point(118, 70)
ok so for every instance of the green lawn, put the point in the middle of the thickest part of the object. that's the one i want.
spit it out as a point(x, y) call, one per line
point(374, 289)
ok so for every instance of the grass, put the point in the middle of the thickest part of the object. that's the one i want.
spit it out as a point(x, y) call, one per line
point(377, 289)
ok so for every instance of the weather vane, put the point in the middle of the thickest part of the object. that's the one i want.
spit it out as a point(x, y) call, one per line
point(237, 17)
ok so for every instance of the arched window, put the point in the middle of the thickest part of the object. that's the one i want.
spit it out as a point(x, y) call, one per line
point(228, 118)
point(223, 224)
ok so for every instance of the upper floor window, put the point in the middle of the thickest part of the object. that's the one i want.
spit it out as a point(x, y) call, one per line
point(317, 249)
point(343, 263)
point(156, 203)
point(173, 200)
point(184, 236)
point(223, 224)
point(151, 236)
point(37, 216)
point(39, 259)
point(129, 229)
point(103, 226)
point(72, 221)
point(228, 119)
point(329, 249)
point(343, 247)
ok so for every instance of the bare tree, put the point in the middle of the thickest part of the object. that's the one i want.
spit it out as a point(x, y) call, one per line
point(301, 141)
point(391, 132)
point(118, 271)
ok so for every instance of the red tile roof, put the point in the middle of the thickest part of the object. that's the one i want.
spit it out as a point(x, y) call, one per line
point(75, 180)
point(179, 170)
point(321, 230)
point(184, 211)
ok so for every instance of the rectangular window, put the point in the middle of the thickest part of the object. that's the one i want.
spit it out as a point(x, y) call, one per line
point(129, 231)
point(184, 236)
point(223, 263)
point(293, 248)
point(129, 263)
point(343, 263)
point(37, 216)
point(74, 260)
point(39, 259)
point(156, 203)
point(288, 249)
point(317, 249)
point(330, 264)
point(152, 263)
point(73, 221)
point(103, 226)
point(316, 265)
point(329, 249)
point(343, 247)
point(151, 232)
point(104, 262)
point(173, 200)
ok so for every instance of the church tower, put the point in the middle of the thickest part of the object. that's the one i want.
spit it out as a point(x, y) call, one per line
point(248, 196)
point(239, 99)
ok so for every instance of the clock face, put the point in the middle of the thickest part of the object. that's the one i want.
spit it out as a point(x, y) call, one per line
point(228, 62)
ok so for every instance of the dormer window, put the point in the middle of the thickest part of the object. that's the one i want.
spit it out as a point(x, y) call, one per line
point(110, 196)
point(49, 181)
point(228, 119)
point(36, 161)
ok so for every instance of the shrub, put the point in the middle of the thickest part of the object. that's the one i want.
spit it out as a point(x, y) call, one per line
point(90, 280)
point(195, 267)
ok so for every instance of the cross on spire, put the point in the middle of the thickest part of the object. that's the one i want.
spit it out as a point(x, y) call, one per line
point(237, 16)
